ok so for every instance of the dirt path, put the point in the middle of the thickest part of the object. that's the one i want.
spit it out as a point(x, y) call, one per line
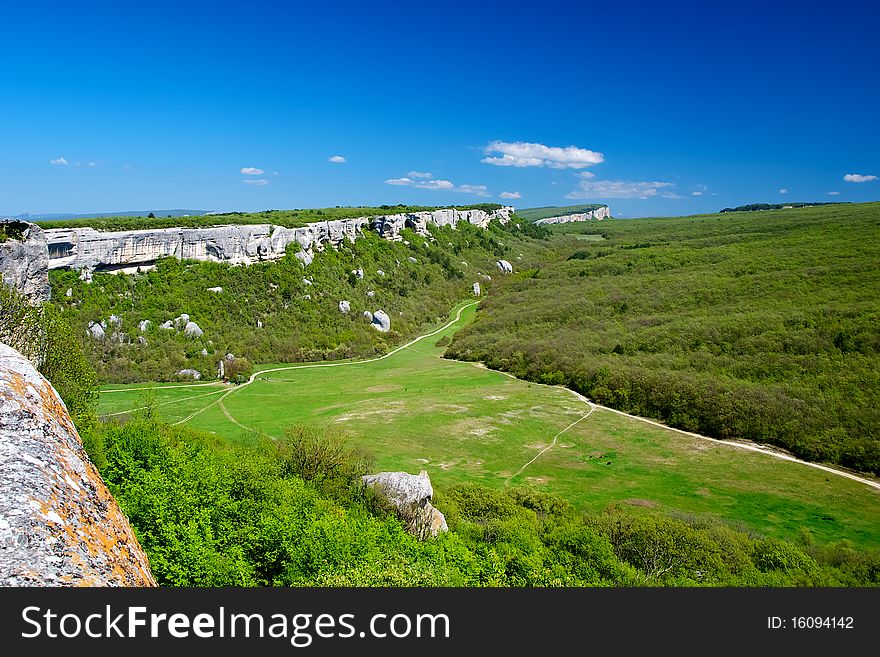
point(253, 377)
point(751, 447)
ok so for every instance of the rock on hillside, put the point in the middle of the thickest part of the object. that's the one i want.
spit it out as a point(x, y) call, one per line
point(59, 525)
point(410, 495)
point(24, 263)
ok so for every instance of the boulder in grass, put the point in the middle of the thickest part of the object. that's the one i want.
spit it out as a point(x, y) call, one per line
point(410, 496)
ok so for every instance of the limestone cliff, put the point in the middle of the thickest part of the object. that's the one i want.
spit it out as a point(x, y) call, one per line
point(86, 248)
point(59, 525)
point(24, 259)
point(598, 214)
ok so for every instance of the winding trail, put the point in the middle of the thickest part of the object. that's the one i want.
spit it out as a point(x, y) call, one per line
point(253, 377)
point(751, 447)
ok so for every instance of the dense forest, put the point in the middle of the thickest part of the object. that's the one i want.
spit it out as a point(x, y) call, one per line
point(280, 311)
point(286, 218)
point(755, 207)
point(757, 326)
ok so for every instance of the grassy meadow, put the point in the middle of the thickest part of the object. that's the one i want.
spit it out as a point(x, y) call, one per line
point(467, 424)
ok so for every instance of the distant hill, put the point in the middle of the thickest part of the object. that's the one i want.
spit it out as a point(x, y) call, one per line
point(754, 207)
point(69, 216)
point(533, 214)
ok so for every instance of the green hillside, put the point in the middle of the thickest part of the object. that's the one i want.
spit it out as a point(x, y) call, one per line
point(762, 326)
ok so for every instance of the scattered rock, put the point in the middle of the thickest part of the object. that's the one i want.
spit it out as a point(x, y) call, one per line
point(215, 289)
point(368, 316)
point(114, 320)
point(181, 321)
point(307, 297)
point(358, 272)
point(167, 325)
point(259, 323)
point(190, 374)
point(344, 307)
point(381, 321)
point(204, 352)
point(69, 292)
point(192, 330)
point(96, 331)
point(411, 259)
point(306, 281)
point(410, 495)
point(504, 267)
point(476, 289)
point(86, 275)
point(371, 294)
point(382, 273)
point(144, 325)
point(142, 340)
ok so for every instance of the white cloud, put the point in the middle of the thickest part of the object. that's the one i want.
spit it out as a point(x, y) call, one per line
point(783, 191)
point(510, 195)
point(588, 189)
point(696, 193)
point(420, 174)
point(257, 182)
point(478, 190)
point(91, 164)
point(434, 184)
point(336, 159)
point(126, 167)
point(671, 195)
point(852, 177)
point(252, 171)
point(833, 193)
point(59, 161)
point(527, 154)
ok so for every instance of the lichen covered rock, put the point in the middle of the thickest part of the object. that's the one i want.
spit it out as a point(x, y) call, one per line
point(59, 525)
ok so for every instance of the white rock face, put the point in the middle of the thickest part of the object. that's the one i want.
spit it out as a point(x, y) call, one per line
point(24, 263)
point(476, 289)
point(381, 321)
point(410, 495)
point(344, 307)
point(504, 267)
point(598, 214)
point(192, 330)
point(88, 249)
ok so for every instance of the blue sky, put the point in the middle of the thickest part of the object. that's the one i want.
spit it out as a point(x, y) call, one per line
point(654, 108)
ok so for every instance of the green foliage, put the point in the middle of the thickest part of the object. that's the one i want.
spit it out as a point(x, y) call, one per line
point(208, 514)
point(759, 326)
point(267, 312)
point(11, 230)
point(754, 207)
point(41, 334)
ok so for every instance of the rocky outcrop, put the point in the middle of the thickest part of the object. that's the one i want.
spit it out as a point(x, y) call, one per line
point(504, 267)
point(24, 259)
point(410, 495)
point(598, 214)
point(59, 525)
point(87, 249)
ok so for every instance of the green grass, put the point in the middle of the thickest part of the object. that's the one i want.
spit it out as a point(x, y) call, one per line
point(464, 423)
